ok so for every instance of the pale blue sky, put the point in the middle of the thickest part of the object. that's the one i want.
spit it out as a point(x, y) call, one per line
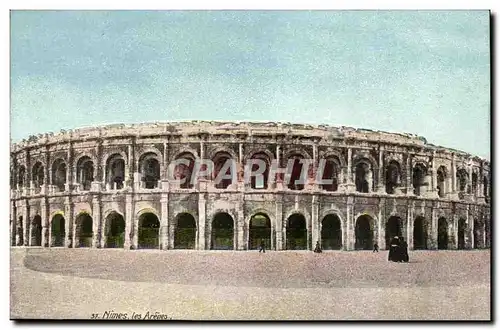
point(426, 73)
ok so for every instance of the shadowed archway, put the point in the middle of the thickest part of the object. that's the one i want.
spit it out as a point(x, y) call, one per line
point(149, 228)
point(259, 230)
point(393, 227)
point(364, 233)
point(185, 232)
point(331, 232)
point(461, 233)
point(83, 230)
point(115, 231)
point(222, 232)
point(57, 230)
point(442, 234)
point(296, 232)
point(36, 231)
point(420, 234)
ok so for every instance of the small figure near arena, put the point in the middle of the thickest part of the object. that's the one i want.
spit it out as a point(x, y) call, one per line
point(398, 250)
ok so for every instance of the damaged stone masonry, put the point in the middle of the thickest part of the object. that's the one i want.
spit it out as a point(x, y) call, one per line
point(112, 187)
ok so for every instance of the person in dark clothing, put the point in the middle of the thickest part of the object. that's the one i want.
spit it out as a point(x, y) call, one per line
point(375, 247)
point(262, 247)
point(403, 247)
point(317, 249)
point(394, 254)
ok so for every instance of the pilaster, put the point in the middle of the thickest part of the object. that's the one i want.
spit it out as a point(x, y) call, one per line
point(202, 213)
point(279, 223)
point(315, 226)
point(131, 235)
point(164, 222)
point(96, 221)
point(69, 223)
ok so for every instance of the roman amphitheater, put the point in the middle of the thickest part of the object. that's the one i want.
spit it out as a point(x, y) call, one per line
point(108, 187)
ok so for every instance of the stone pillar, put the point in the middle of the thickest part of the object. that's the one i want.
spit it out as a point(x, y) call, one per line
point(202, 214)
point(433, 237)
point(349, 166)
point(26, 223)
point(472, 232)
point(350, 229)
point(171, 234)
point(96, 222)
point(69, 169)
point(130, 230)
point(381, 171)
point(68, 223)
point(409, 225)
point(279, 223)
point(45, 222)
point(164, 173)
point(315, 222)
point(381, 224)
point(409, 176)
point(241, 243)
point(453, 175)
point(164, 222)
point(13, 229)
point(453, 233)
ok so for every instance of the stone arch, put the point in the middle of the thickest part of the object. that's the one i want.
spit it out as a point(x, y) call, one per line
point(392, 176)
point(259, 230)
point(364, 228)
point(462, 179)
point(115, 167)
point(442, 233)
point(260, 182)
point(297, 232)
point(21, 174)
point(38, 174)
point(296, 169)
point(248, 155)
point(442, 175)
point(83, 230)
point(332, 170)
point(393, 227)
point(148, 229)
point(364, 174)
point(220, 159)
point(461, 232)
point(36, 231)
point(331, 232)
point(185, 172)
point(419, 173)
point(474, 181)
point(295, 151)
point(486, 187)
point(85, 171)
point(335, 154)
point(222, 231)
point(59, 170)
point(185, 231)
point(221, 149)
point(114, 230)
point(478, 234)
point(420, 233)
point(57, 229)
point(185, 150)
point(150, 166)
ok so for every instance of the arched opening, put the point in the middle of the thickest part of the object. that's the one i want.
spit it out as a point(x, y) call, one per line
point(461, 234)
point(21, 175)
point(364, 233)
point(20, 231)
point(296, 232)
point(260, 181)
point(474, 184)
point(224, 170)
point(441, 181)
point(185, 232)
point(184, 172)
point(478, 237)
point(84, 230)
point(485, 186)
point(419, 173)
point(59, 174)
point(392, 177)
point(222, 232)
point(57, 230)
point(393, 227)
point(331, 232)
point(115, 231)
point(462, 177)
point(115, 169)
point(85, 172)
point(363, 176)
point(420, 234)
point(36, 231)
point(442, 234)
point(149, 167)
point(259, 230)
point(149, 231)
point(331, 172)
point(295, 182)
point(38, 175)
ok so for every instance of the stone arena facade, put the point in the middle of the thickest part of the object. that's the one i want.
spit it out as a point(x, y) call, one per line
point(109, 187)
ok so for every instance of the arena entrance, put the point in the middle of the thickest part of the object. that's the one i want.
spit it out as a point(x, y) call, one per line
point(392, 228)
point(114, 231)
point(36, 231)
point(149, 231)
point(442, 234)
point(83, 230)
point(185, 232)
point(57, 230)
point(420, 234)
point(259, 230)
point(364, 233)
point(296, 232)
point(461, 234)
point(222, 232)
point(478, 238)
point(331, 232)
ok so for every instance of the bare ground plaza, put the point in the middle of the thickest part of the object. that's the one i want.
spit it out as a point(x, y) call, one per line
point(246, 285)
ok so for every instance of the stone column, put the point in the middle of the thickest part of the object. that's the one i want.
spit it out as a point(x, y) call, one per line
point(171, 234)
point(13, 229)
point(241, 243)
point(130, 230)
point(409, 225)
point(26, 223)
point(433, 237)
point(453, 233)
point(69, 169)
point(279, 224)
point(472, 233)
point(202, 214)
point(453, 175)
point(164, 222)
point(45, 221)
point(349, 166)
point(380, 224)
point(68, 223)
point(96, 222)
point(409, 185)
point(381, 171)
point(315, 223)
point(350, 232)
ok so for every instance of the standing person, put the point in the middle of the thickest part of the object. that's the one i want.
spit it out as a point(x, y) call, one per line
point(394, 249)
point(317, 249)
point(262, 246)
point(375, 247)
point(404, 250)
